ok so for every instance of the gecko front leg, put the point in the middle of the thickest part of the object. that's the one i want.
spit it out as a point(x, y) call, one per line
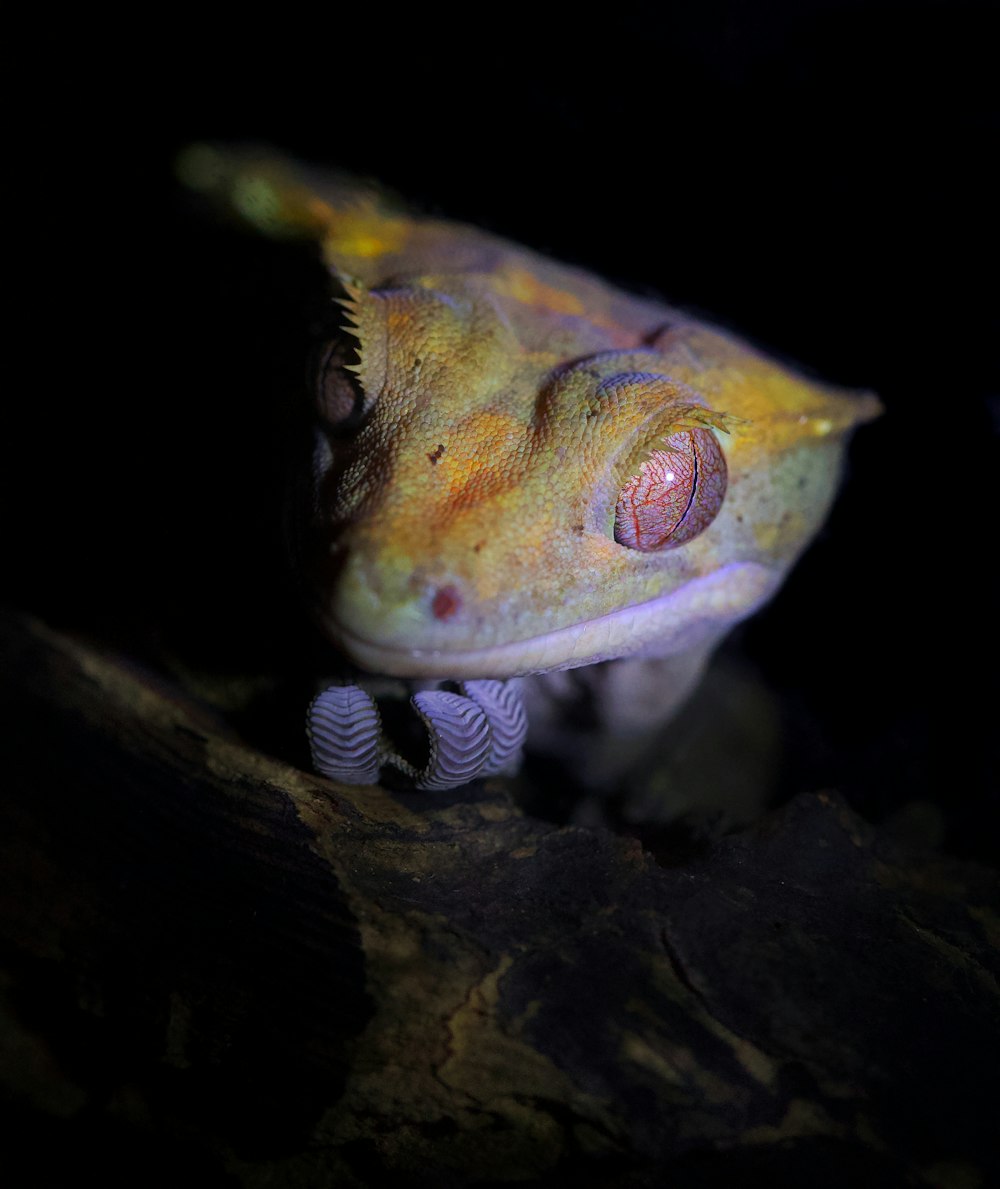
point(475, 732)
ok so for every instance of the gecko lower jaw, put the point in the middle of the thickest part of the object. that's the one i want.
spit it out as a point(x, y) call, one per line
point(695, 615)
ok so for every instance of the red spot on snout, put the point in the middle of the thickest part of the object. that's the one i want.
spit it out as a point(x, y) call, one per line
point(446, 602)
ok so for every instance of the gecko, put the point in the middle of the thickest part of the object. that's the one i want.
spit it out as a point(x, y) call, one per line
point(518, 471)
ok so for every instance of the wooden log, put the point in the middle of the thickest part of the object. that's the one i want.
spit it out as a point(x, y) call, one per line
point(219, 966)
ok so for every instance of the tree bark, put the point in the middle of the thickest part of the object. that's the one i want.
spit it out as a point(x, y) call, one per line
point(217, 964)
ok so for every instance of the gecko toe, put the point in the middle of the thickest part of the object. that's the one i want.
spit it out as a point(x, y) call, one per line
point(460, 739)
point(501, 702)
point(344, 733)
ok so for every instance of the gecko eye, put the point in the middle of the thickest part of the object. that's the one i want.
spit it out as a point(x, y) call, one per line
point(339, 397)
point(675, 495)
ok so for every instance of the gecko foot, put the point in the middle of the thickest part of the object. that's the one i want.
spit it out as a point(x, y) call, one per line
point(476, 732)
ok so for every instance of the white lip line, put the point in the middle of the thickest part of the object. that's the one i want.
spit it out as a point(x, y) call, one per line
point(690, 595)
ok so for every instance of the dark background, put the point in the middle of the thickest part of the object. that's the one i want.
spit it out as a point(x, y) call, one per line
point(815, 175)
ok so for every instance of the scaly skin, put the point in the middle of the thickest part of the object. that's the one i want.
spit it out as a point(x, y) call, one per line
point(464, 521)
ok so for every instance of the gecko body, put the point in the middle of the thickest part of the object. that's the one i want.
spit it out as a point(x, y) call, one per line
point(520, 470)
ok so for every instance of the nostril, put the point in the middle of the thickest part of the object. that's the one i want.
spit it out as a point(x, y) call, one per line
point(447, 602)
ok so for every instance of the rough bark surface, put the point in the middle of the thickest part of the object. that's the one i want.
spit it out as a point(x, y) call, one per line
point(215, 964)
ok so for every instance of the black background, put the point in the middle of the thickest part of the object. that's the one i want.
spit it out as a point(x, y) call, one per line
point(815, 175)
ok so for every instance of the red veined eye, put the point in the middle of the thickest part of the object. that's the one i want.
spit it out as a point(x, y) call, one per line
point(675, 495)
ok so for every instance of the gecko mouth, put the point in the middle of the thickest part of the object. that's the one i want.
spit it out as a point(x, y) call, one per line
point(696, 614)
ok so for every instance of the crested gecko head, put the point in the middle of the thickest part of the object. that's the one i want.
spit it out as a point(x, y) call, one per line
point(519, 468)
point(505, 486)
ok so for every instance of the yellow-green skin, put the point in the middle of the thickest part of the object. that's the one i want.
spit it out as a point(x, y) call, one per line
point(465, 526)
